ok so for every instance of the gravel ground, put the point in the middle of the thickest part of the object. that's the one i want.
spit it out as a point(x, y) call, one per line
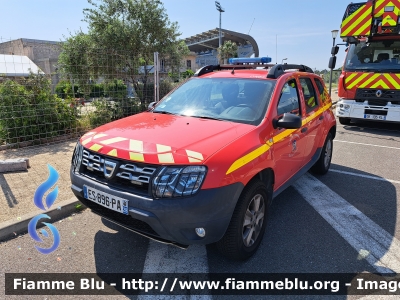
point(18, 188)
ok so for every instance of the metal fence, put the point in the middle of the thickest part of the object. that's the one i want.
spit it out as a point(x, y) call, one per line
point(44, 110)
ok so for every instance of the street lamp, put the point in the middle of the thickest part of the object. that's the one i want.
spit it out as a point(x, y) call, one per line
point(221, 10)
point(332, 62)
point(283, 60)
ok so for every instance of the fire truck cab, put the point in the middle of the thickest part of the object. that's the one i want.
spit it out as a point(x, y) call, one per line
point(369, 86)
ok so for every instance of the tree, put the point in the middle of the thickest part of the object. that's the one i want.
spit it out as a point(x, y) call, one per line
point(122, 35)
point(227, 50)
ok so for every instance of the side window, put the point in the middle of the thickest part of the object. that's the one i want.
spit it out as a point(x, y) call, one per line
point(323, 94)
point(289, 99)
point(310, 97)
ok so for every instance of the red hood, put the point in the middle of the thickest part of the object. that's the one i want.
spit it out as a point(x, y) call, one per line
point(158, 138)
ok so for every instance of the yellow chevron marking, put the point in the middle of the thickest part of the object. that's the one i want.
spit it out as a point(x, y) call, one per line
point(163, 148)
point(350, 77)
point(136, 156)
point(362, 28)
point(86, 141)
point(100, 135)
point(248, 158)
point(350, 86)
point(96, 147)
point(113, 140)
point(352, 16)
point(194, 156)
point(166, 158)
point(136, 146)
point(380, 83)
point(368, 81)
point(113, 152)
point(392, 81)
point(356, 23)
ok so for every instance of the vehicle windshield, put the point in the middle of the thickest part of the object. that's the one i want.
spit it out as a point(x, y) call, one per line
point(376, 56)
point(226, 99)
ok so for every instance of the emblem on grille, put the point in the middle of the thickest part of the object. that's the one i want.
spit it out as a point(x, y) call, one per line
point(109, 168)
point(378, 93)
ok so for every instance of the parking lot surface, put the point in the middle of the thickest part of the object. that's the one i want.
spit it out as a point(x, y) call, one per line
point(342, 222)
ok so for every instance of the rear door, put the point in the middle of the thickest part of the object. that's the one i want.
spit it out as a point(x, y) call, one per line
point(311, 119)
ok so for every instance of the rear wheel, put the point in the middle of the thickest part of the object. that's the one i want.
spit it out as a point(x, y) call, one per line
point(344, 121)
point(324, 162)
point(247, 226)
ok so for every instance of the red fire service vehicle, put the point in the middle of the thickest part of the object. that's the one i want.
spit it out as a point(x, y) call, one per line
point(369, 86)
point(203, 164)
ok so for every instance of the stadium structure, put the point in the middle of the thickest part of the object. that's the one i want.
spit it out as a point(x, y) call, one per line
point(204, 46)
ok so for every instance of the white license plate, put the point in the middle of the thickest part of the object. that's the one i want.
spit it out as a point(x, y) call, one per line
point(114, 203)
point(375, 117)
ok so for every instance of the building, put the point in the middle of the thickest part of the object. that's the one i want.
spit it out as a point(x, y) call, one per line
point(44, 54)
point(16, 66)
point(203, 46)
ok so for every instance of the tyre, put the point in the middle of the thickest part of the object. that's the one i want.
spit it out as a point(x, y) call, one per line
point(247, 226)
point(324, 162)
point(344, 121)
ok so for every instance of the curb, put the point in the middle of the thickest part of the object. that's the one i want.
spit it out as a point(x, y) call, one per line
point(9, 229)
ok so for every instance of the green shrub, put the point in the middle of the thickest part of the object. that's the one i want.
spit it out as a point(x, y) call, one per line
point(29, 111)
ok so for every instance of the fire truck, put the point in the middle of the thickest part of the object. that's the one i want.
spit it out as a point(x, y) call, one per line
point(369, 85)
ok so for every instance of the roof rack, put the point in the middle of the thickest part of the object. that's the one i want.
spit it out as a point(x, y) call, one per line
point(280, 69)
point(212, 68)
point(275, 71)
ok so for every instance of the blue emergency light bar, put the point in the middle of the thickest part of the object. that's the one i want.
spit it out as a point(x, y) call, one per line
point(249, 60)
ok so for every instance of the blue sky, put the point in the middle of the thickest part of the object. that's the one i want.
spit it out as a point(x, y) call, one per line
point(303, 27)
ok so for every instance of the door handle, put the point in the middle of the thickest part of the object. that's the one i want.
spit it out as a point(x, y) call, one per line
point(304, 129)
point(321, 117)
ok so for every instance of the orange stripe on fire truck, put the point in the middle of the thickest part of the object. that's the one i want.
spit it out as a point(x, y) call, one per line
point(381, 4)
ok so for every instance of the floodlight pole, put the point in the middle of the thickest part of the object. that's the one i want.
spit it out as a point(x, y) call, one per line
point(221, 10)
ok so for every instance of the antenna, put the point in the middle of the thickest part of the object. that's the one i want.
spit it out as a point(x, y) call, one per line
point(251, 25)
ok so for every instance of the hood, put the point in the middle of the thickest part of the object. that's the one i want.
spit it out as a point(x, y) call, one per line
point(163, 139)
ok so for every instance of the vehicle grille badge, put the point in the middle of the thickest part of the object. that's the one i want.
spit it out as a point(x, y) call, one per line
point(109, 168)
point(378, 93)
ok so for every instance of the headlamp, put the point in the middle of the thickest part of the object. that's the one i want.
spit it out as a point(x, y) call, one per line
point(178, 181)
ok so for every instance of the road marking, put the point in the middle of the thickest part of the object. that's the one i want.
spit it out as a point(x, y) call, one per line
point(380, 146)
point(162, 258)
point(379, 248)
point(364, 176)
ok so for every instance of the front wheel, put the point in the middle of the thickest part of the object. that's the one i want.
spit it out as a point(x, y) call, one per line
point(324, 162)
point(247, 226)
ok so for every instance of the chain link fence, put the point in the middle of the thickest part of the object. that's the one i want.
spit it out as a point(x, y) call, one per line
point(46, 106)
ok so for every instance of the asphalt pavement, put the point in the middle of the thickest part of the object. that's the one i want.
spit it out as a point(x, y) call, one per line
point(355, 230)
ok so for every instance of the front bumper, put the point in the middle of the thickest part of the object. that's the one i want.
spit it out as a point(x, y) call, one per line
point(358, 110)
point(168, 220)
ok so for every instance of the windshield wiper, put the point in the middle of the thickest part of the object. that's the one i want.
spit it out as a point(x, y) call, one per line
point(163, 112)
point(208, 118)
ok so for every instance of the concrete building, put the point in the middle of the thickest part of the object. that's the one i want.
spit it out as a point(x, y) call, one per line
point(43, 53)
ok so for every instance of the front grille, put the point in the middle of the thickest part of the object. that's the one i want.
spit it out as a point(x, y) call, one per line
point(392, 96)
point(126, 175)
point(126, 220)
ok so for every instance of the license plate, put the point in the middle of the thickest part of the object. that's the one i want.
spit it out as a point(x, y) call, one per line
point(104, 199)
point(375, 117)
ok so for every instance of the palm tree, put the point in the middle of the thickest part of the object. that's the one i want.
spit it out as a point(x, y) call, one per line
point(227, 50)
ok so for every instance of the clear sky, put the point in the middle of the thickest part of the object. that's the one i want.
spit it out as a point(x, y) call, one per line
point(302, 28)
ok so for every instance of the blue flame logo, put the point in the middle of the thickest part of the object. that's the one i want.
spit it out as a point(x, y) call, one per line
point(44, 187)
point(50, 199)
point(32, 232)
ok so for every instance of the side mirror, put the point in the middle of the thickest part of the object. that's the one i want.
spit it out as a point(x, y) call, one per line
point(151, 105)
point(288, 121)
point(335, 50)
point(332, 62)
